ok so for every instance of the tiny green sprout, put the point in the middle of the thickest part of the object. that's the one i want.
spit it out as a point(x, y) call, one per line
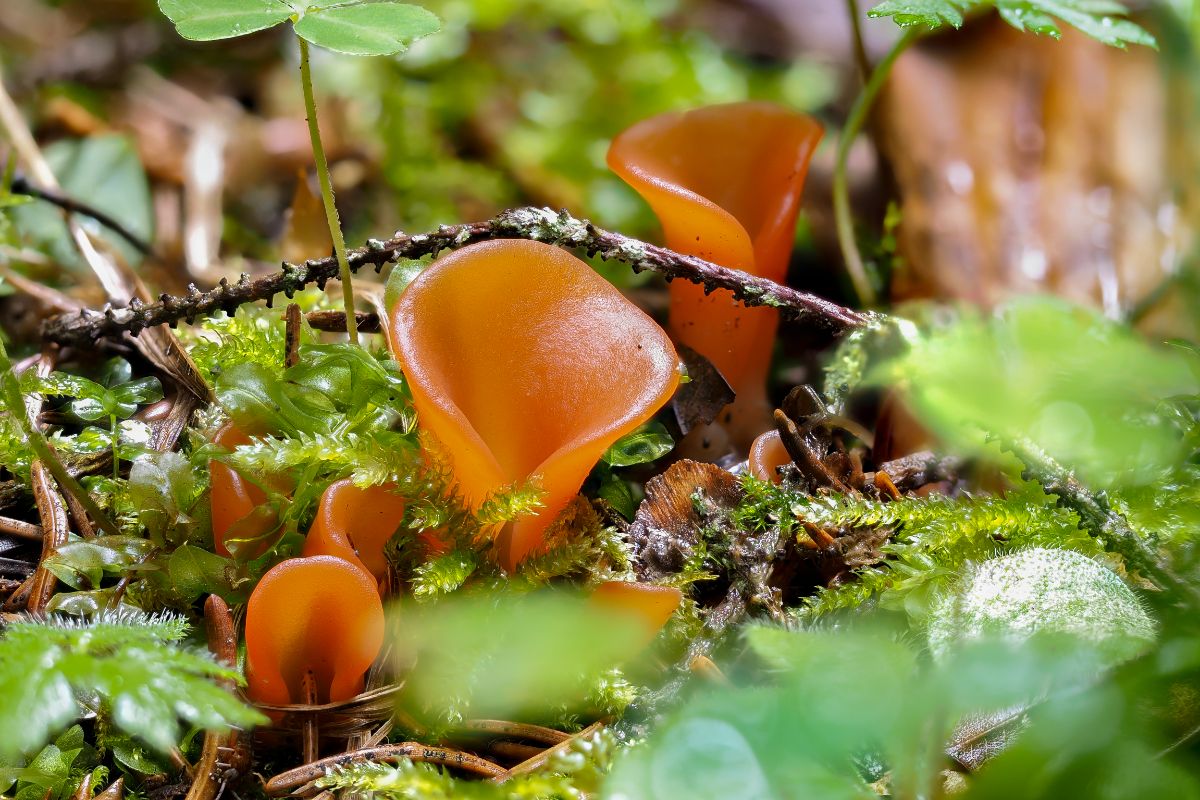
point(354, 27)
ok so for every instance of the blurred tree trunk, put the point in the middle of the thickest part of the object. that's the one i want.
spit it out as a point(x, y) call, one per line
point(1024, 164)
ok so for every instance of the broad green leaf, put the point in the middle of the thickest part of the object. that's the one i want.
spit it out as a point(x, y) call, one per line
point(648, 443)
point(1103, 20)
point(368, 29)
point(91, 409)
point(115, 371)
point(194, 571)
point(206, 20)
point(103, 171)
point(62, 384)
point(161, 487)
point(139, 392)
point(134, 757)
point(617, 493)
point(83, 564)
point(930, 13)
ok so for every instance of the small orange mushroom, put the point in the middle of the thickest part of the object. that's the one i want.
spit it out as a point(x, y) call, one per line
point(725, 182)
point(355, 524)
point(321, 616)
point(767, 454)
point(651, 605)
point(525, 364)
point(233, 501)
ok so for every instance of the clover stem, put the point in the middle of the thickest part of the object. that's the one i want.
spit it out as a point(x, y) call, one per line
point(331, 212)
point(841, 192)
point(10, 392)
point(860, 49)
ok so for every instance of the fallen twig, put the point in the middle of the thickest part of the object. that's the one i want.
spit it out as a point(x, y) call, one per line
point(538, 224)
point(529, 765)
point(220, 749)
point(20, 185)
point(22, 530)
point(293, 779)
point(515, 730)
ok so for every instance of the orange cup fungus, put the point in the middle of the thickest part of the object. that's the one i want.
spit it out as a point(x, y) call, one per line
point(355, 524)
point(649, 604)
point(525, 364)
point(321, 616)
point(725, 183)
point(233, 500)
point(767, 454)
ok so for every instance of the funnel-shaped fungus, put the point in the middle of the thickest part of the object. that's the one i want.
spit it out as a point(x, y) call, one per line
point(651, 605)
point(355, 524)
point(525, 364)
point(767, 454)
point(320, 615)
point(725, 183)
point(233, 500)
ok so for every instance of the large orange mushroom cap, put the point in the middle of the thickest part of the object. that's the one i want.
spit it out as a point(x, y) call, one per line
point(321, 615)
point(355, 524)
point(725, 183)
point(524, 363)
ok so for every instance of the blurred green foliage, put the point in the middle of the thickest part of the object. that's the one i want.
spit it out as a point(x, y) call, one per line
point(516, 101)
point(854, 713)
point(1086, 390)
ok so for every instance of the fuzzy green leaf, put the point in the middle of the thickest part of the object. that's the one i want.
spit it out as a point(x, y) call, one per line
point(367, 29)
point(131, 661)
point(207, 20)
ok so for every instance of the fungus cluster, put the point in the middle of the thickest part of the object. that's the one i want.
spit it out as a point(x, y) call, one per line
point(524, 367)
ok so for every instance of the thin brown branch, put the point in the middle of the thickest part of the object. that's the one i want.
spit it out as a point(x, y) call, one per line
point(529, 765)
point(22, 186)
point(77, 466)
point(294, 779)
point(537, 224)
point(515, 730)
point(291, 335)
point(52, 510)
point(335, 321)
point(22, 530)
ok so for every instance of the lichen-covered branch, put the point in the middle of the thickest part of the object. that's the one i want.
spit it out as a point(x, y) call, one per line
point(538, 224)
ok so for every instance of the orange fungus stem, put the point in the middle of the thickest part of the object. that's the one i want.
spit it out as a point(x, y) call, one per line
point(725, 183)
